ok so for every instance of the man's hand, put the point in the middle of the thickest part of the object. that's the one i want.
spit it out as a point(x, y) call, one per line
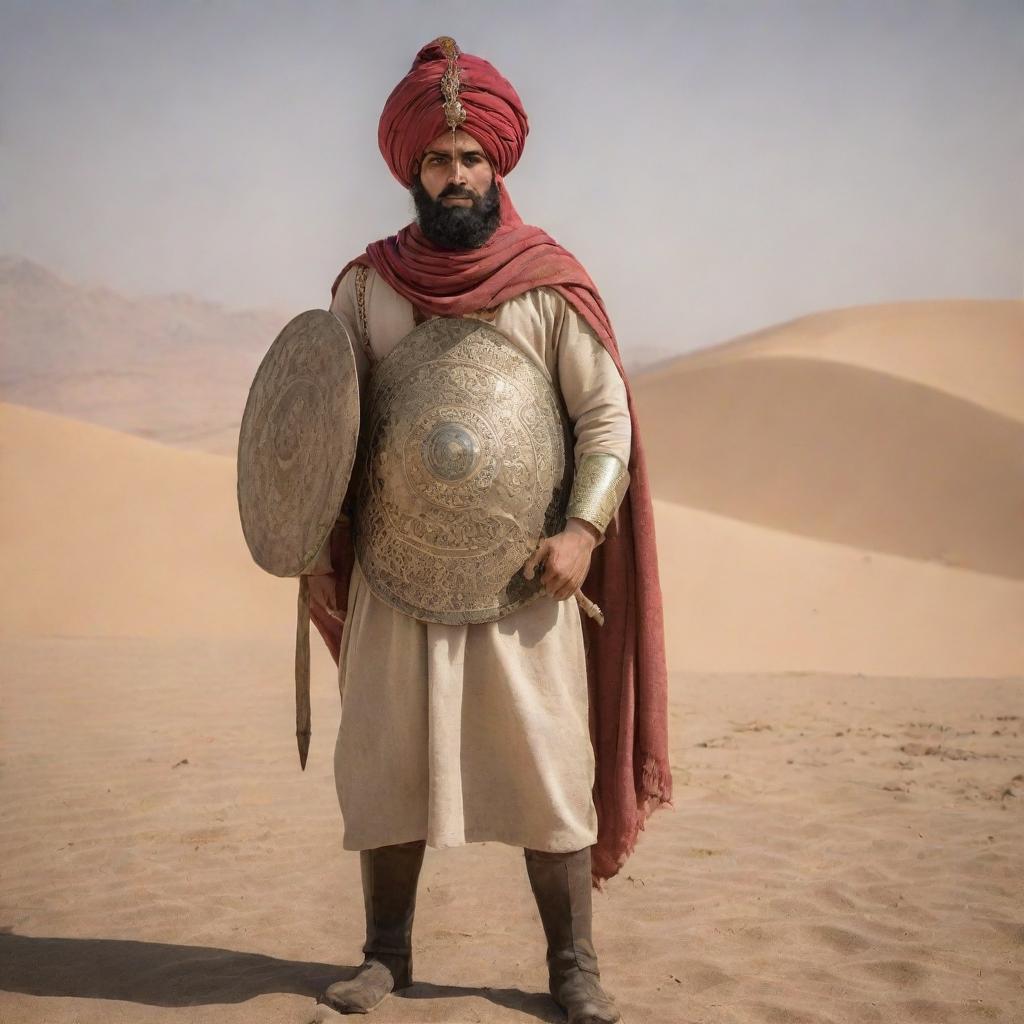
point(566, 558)
point(321, 589)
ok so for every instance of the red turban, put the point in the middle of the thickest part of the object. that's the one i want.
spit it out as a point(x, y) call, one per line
point(488, 108)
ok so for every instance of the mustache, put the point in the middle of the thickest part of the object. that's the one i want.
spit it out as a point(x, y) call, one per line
point(457, 192)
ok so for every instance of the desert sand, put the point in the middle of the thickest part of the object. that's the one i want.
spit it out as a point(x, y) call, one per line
point(844, 593)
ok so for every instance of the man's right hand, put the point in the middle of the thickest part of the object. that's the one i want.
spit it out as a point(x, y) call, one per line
point(322, 590)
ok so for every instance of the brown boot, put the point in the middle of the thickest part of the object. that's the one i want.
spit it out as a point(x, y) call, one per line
point(390, 874)
point(561, 885)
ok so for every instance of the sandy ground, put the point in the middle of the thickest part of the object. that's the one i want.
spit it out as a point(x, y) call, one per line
point(841, 850)
point(838, 509)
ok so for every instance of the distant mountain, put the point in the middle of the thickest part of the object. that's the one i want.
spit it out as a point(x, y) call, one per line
point(172, 368)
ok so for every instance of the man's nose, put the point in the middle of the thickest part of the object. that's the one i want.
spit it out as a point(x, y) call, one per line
point(457, 174)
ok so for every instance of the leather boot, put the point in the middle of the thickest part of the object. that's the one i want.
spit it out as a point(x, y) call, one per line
point(561, 885)
point(390, 874)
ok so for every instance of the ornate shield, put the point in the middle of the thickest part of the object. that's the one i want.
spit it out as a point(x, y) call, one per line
point(465, 470)
point(297, 442)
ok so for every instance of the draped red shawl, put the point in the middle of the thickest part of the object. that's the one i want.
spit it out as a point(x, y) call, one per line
point(626, 669)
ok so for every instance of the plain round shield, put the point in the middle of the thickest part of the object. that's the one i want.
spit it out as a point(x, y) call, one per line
point(297, 442)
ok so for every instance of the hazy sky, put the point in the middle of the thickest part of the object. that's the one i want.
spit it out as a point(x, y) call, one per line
point(717, 166)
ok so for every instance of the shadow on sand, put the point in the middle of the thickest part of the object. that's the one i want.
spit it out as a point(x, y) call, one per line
point(161, 974)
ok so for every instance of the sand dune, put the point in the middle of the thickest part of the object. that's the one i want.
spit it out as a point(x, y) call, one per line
point(785, 429)
point(747, 598)
point(140, 539)
point(970, 348)
point(103, 534)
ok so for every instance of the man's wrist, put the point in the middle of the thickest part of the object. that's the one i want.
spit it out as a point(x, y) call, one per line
point(583, 528)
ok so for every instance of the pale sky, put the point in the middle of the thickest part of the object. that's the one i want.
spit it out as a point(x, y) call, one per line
point(717, 166)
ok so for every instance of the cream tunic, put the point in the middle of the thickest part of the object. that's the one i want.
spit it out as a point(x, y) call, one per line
point(469, 733)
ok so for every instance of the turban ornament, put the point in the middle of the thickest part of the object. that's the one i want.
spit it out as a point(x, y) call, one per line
point(446, 89)
point(454, 111)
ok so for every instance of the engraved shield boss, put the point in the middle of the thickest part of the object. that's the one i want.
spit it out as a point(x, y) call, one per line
point(465, 470)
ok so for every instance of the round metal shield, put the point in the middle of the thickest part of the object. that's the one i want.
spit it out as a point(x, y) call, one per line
point(465, 471)
point(298, 442)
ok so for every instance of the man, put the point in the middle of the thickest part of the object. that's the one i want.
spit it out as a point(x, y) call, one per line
point(519, 730)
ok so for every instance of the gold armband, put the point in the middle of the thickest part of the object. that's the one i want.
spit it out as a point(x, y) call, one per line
point(600, 482)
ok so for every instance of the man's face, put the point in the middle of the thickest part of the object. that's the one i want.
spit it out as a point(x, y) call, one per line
point(457, 200)
point(454, 165)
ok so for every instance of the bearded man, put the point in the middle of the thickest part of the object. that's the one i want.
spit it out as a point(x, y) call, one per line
point(537, 728)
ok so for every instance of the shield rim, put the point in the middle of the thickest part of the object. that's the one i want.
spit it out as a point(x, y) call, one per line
point(350, 374)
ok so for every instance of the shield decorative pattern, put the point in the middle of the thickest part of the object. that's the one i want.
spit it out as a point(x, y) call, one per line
point(464, 470)
point(298, 442)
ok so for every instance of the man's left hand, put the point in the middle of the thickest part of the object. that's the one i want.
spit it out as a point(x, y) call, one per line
point(566, 558)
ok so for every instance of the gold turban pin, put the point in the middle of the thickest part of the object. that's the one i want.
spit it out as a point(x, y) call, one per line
point(454, 111)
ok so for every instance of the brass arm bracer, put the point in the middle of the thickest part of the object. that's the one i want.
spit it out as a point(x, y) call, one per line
point(597, 488)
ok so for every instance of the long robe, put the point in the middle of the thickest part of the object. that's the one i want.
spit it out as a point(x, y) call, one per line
point(470, 733)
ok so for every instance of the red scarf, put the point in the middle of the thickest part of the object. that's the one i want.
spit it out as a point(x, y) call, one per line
point(627, 676)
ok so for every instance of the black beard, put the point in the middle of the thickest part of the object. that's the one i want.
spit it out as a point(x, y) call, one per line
point(457, 227)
